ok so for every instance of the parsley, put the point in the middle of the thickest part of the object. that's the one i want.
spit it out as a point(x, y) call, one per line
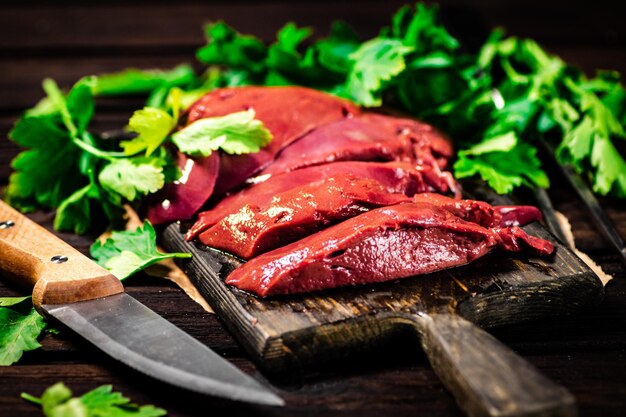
point(136, 81)
point(498, 104)
point(51, 144)
point(20, 327)
point(503, 162)
point(511, 89)
point(132, 177)
point(373, 64)
point(58, 171)
point(235, 133)
point(152, 125)
point(57, 400)
point(128, 252)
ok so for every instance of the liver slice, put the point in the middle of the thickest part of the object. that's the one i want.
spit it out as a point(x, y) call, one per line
point(297, 213)
point(288, 112)
point(367, 137)
point(400, 177)
point(380, 245)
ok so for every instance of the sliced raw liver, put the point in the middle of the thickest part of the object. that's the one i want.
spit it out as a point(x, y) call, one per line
point(288, 112)
point(481, 212)
point(380, 245)
point(368, 137)
point(182, 199)
point(396, 176)
point(297, 213)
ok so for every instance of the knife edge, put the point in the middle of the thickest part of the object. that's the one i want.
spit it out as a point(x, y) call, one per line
point(138, 337)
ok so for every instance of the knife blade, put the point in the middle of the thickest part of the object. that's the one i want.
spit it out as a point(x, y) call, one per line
point(91, 301)
point(598, 215)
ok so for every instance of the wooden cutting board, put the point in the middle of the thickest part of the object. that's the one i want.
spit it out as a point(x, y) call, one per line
point(295, 333)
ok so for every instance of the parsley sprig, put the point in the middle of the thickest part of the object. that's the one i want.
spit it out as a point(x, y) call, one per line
point(496, 104)
point(57, 400)
point(88, 179)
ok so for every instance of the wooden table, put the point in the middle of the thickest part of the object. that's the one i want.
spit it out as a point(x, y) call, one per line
point(585, 352)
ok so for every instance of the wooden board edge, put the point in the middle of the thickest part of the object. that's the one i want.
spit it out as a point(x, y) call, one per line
point(533, 301)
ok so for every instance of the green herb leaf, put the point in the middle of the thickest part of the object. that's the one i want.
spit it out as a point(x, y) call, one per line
point(131, 178)
point(153, 126)
point(225, 46)
point(20, 326)
point(89, 208)
point(11, 301)
point(125, 253)
point(375, 62)
point(57, 401)
point(235, 133)
point(80, 103)
point(333, 52)
point(136, 81)
point(74, 213)
point(422, 30)
point(611, 168)
point(502, 166)
point(46, 173)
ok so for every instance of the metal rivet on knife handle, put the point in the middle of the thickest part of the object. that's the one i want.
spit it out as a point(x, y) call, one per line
point(6, 224)
point(58, 259)
point(60, 274)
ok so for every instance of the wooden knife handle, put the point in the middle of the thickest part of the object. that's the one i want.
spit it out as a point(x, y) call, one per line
point(32, 256)
point(485, 377)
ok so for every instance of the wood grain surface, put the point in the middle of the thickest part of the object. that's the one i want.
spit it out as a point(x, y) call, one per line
point(297, 332)
point(60, 274)
point(293, 334)
point(586, 351)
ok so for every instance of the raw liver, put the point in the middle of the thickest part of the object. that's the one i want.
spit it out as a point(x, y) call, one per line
point(380, 245)
point(368, 137)
point(396, 176)
point(182, 199)
point(297, 213)
point(288, 112)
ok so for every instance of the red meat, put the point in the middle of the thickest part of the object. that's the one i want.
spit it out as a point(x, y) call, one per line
point(297, 213)
point(380, 245)
point(396, 177)
point(288, 112)
point(368, 137)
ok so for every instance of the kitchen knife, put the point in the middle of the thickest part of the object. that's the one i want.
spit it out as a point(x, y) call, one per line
point(91, 301)
point(598, 215)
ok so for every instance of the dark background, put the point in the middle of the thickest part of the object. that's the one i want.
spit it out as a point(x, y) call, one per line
point(585, 352)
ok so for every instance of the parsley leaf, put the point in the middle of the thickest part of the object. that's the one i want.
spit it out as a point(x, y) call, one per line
point(88, 208)
point(333, 51)
point(57, 401)
point(127, 252)
point(20, 326)
point(153, 126)
point(512, 86)
point(34, 184)
point(235, 133)
point(136, 81)
point(131, 178)
point(225, 46)
point(375, 62)
point(421, 30)
point(503, 163)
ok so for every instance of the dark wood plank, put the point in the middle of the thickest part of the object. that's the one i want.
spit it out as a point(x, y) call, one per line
point(102, 26)
point(272, 328)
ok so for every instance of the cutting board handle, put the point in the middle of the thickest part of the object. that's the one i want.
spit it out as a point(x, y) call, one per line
point(32, 256)
point(485, 376)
